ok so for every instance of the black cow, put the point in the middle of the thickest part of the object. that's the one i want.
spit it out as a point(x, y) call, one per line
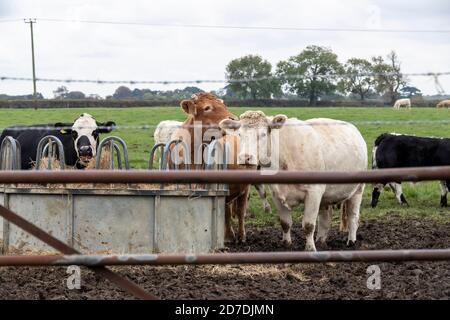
point(401, 151)
point(80, 139)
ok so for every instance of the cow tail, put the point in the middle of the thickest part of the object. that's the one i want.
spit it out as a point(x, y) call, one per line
point(343, 227)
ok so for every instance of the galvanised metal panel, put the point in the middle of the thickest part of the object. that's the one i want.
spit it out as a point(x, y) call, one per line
point(220, 223)
point(186, 225)
point(48, 212)
point(113, 224)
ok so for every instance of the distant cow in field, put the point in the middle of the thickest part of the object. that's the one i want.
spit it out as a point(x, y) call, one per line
point(312, 145)
point(443, 104)
point(80, 139)
point(402, 103)
point(402, 151)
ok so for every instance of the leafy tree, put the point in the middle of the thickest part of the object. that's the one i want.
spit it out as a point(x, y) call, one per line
point(411, 91)
point(191, 90)
point(123, 92)
point(60, 92)
point(311, 73)
point(38, 96)
point(357, 78)
point(388, 78)
point(75, 95)
point(252, 66)
point(229, 93)
point(63, 93)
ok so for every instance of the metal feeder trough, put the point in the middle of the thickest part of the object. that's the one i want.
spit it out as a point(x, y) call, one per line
point(116, 218)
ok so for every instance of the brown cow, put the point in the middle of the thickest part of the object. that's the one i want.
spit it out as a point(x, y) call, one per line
point(206, 111)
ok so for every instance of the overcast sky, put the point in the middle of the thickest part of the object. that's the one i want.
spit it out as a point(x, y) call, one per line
point(117, 52)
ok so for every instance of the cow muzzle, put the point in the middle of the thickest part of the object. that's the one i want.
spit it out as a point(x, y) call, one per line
point(85, 153)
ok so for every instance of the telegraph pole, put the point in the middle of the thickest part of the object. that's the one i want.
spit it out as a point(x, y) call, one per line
point(31, 21)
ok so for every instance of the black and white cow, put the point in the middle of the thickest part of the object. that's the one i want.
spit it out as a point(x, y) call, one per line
point(399, 151)
point(80, 139)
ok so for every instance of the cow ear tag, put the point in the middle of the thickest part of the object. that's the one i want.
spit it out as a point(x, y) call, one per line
point(63, 131)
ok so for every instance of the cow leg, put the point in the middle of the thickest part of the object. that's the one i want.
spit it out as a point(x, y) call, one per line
point(444, 191)
point(248, 212)
point(229, 232)
point(353, 206)
point(377, 188)
point(312, 205)
point(263, 195)
point(241, 207)
point(285, 216)
point(397, 188)
point(324, 223)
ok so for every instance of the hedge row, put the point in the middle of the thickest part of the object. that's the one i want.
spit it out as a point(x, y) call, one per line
point(44, 104)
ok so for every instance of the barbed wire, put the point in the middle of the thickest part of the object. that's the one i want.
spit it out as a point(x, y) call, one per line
point(435, 75)
point(302, 123)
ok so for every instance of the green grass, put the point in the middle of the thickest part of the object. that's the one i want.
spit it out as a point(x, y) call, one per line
point(423, 197)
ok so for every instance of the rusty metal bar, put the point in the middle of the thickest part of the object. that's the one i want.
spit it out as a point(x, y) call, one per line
point(40, 234)
point(230, 176)
point(230, 258)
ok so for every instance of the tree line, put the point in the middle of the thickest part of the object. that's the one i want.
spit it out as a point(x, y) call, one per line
point(313, 74)
point(316, 72)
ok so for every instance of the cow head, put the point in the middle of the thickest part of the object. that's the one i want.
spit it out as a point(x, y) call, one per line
point(207, 108)
point(85, 132)
point(255, 131)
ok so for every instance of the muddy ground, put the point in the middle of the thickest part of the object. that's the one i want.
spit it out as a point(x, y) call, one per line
point(412, 280)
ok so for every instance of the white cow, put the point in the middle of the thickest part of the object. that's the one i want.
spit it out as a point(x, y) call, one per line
point(165, 129)
point(402, 103)
point(312, 145)
point(443, 104)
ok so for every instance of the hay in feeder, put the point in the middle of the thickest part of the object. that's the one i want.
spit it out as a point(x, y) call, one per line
point(55, 164)
point(104, 161)
point(105, 165)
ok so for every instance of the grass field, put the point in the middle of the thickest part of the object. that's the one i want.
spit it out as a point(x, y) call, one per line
point(423, 197)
